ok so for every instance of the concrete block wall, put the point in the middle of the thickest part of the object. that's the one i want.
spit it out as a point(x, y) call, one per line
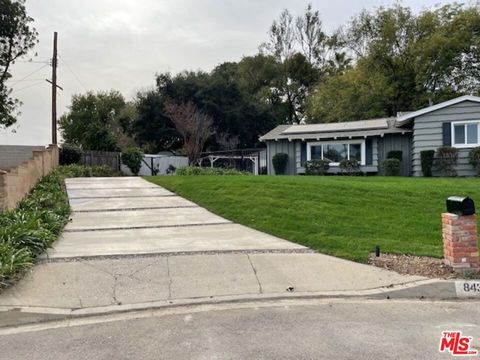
point(17, 182)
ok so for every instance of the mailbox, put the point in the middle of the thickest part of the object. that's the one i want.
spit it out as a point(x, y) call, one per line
point(460, 205)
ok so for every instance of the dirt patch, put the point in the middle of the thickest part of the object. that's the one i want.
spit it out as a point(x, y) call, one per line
point(414, 265)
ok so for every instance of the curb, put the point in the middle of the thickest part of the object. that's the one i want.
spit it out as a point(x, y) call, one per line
point(432, 289)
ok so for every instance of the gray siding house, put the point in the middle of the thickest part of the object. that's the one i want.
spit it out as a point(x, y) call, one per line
point(451, 123)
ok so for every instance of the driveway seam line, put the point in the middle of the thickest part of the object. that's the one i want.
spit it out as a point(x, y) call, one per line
point(173, 253)
point(119, 197)
point(145, 227)
point(138, 208)
point(112, 188)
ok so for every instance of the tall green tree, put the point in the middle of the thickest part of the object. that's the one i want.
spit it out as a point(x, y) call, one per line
point(235, 111)
point(151, 128)
point(17, 38)
point(352, 95)
point(414, 59)
point(237, 96)
point(90, 120)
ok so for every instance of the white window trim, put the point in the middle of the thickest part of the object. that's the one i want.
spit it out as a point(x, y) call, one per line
point(363, 154)
point(465, 146)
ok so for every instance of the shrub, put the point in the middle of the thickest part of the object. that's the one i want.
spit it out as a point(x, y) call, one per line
point(29, 235)
point(350, 167)
point(392, 167)
point(317, 167)
point(13, 261)
point(32, 228)
point(196, 170)
point(279, 162)
point(263, 170)
point(447, 160)
point(474, 157)
point(132, 157)
point(86, 171)
point(426, 157)
point(395, 154)
point(70, 154)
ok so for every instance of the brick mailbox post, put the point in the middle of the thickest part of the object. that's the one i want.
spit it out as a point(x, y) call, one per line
point(460, 244)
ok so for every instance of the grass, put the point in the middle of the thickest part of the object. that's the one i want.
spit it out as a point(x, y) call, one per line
point(341, 216)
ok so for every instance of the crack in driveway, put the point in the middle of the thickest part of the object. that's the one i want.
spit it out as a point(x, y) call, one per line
point(256, 275)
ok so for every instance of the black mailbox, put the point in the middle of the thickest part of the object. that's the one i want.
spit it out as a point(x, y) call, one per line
point(460, 205)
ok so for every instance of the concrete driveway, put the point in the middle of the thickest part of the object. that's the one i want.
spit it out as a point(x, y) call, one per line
point(132, 242)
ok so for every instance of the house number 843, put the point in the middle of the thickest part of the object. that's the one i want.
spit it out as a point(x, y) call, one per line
point(471, 287)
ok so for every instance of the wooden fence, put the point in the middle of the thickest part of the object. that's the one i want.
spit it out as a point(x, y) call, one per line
point(97, 158)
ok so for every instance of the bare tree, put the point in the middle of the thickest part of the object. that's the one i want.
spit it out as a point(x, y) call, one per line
point(194, 126)
point(310, 35)
point(282, 37)
point(304, 34)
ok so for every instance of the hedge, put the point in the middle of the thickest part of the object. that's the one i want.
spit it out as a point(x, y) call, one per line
point(37, 221)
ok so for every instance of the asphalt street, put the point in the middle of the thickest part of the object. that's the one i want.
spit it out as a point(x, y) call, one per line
point(289, 329)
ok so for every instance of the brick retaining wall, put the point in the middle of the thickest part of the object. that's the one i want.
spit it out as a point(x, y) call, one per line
point(17, 182)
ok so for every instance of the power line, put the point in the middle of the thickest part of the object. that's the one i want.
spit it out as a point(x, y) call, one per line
point(26, 80)
point(73, 73)
point(33, 72)
point(48, 62)
point(29, 86)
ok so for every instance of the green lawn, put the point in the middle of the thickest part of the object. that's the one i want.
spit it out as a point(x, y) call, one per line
point(341, 216)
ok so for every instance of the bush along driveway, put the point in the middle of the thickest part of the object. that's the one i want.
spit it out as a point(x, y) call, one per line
point(35, 224)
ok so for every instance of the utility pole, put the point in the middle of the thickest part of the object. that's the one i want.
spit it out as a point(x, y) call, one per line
point(54, 90)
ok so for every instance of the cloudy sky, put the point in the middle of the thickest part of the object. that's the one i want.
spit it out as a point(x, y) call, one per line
point(121, 44)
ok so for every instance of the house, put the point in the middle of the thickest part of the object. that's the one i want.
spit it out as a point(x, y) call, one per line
point(451, 123)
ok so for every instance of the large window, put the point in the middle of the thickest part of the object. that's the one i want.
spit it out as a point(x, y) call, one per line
point(336, 151)
point(466, 134)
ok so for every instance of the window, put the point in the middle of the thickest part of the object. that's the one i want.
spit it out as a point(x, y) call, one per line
point(465, 134)
point(336, 151)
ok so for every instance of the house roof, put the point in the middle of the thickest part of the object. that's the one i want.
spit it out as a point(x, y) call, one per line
point(362, 128)
point(343, 126)
point(406, 118)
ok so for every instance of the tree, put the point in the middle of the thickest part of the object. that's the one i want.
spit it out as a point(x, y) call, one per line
point(90, 120)
point(237, 107)
point(194, 126)
point(402, 62)
point(234, 110)
point(282, 37)
point(299, 48)
point(305, 35)
point(433, 56)
point(151, 128)
point(121, 125)
point(353, 95)
point(311, 37)
point(17, 37)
